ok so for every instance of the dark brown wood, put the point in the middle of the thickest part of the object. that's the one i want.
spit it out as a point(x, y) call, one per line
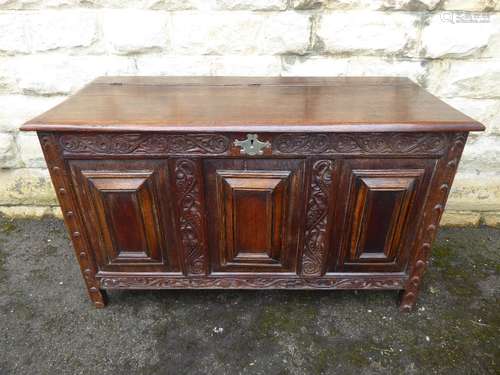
point(253, 213)
point(381, 206)
point(345, 190)
point(73, 217)
point(434, 208)
point(124, 204)
point(191, 104)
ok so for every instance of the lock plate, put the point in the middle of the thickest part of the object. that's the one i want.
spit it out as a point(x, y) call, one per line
point(251, 145)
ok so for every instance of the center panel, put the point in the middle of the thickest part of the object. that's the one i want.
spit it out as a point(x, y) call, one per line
point(122, 211)
point(381, 202)
point(252, 208)
point(253, 214)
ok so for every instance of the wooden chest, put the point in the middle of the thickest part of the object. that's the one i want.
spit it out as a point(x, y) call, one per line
point(252, 183)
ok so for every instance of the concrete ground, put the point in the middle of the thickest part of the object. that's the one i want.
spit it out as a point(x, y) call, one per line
point(49, 327)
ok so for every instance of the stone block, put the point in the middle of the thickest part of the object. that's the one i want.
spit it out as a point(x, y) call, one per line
point(368, 33)
point(250, 4)
point(17, 109)
point(240, 33)
point(464, 78)
point(475, 191)
point(469, 5)
point(134, 31)
point(27, 32)
point(443, 37)
point(59, 74)
point(29, 150)
point(491, 219)
point(27, 187)
point(353, 66)
point(8, 151)
point(460, 219)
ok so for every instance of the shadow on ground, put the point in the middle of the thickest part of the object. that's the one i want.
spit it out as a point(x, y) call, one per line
point(49, 327)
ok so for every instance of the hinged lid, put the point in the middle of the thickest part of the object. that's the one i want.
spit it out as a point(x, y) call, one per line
point(245, 104)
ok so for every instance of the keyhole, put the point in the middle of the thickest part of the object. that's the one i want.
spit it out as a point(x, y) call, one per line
point(251, 142)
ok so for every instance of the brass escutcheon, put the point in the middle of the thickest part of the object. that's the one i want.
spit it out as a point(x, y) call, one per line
point(251, 145)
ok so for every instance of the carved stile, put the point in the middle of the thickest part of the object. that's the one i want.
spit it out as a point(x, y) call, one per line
point(315, 244)
point(432, 216)
point(72, 218)
point(190, 215)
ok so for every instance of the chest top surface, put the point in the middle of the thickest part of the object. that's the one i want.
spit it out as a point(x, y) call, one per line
point(245, 104)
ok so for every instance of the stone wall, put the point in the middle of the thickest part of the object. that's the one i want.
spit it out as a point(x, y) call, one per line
point(50, 48)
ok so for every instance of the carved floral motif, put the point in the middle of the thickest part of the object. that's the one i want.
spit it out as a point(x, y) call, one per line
point(190, 215)
point(317, 218)
point(145, 143)
point(362, 143)
point(152, 282)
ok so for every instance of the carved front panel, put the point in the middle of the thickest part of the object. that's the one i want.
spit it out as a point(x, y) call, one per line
point(382, 202)
point(124, 213)
point(254, 210)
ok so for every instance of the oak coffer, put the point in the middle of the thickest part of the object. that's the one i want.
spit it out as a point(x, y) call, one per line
point(252, 183)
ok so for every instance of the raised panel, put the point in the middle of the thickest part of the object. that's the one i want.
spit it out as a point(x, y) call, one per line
point(383, 199)
point(250, 215)
point(381, 210)
point(253, 209)
point(124, 210)
point(127, 215)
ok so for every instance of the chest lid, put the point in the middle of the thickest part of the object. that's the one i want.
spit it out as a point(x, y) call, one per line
point(247, 104)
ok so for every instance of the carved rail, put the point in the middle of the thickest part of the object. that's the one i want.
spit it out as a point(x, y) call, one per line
point(144, 144)
point(159, 282)
point(281, 144)
point(360, 143)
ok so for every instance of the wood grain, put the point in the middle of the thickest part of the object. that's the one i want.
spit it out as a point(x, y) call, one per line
point(251, 105)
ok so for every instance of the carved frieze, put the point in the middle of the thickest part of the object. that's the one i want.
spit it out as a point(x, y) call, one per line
point(156, 282)
point(143, 144)
point(360, 143)
point(288, 143)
